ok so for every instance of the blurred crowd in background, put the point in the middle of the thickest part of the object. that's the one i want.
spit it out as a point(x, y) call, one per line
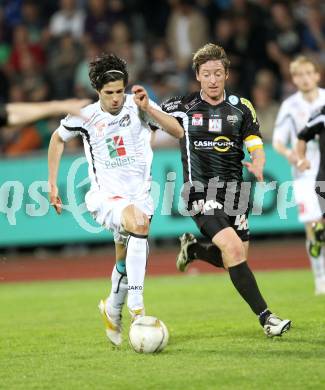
point(45, 48)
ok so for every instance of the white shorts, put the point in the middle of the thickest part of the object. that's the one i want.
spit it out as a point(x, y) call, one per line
point(306, 199)
point(107, 210)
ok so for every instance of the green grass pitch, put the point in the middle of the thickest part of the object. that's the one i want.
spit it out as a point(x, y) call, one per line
point(52, 337)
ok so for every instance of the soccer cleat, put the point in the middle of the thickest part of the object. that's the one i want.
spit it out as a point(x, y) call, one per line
point(112, 324)
point(319, 232)
point(315, 248)
point(183, 258)
point(137, 313)
point(274, 326)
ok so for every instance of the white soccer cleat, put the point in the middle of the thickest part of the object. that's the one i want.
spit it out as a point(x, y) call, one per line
point(274, 326)
point(183, 259)
point(112, 324)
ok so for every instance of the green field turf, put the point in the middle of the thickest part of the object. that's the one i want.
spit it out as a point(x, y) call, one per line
point(52, 337)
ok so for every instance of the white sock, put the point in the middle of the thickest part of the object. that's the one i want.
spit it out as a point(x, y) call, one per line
point(317, 263)
point(136, 259)
point(118, 293)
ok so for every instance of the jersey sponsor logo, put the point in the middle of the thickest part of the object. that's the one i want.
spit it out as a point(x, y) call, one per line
point(249, 105)
point(197, 119)
point(171, 106)
point(215, 125)
point(203, 206)
point(125, 121)
point(115, 146)
point(100, 126)
point(241, 222)
point(233, 99)
point(232, 119)
point(191, 103)
point(119, 162)
point(115, 122)
point(221, 144)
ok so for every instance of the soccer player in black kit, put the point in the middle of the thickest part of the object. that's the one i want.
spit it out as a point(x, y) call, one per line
point(216, 126)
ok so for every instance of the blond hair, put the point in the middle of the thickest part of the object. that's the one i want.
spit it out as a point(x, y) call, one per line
point(210, 52)
point(301, 60)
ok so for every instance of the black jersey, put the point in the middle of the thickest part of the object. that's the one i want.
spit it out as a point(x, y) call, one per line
point(212, 147)
point(316, 125)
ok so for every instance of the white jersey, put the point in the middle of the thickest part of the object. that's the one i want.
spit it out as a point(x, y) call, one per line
point(292, 118)
point(117, 148)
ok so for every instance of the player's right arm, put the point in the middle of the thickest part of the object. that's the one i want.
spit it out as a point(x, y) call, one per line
point(55, 151)
point(165, 121)
point(281, 135)
point(66, 131)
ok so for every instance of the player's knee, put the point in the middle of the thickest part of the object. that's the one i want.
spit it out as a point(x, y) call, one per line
point(233, 251)
point(139, 225)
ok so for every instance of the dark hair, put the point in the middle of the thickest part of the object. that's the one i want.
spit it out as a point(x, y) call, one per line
point(210, 52)
point(106, 68)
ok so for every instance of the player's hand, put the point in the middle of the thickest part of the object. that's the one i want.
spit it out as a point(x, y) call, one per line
point(140, 97)
point(55, 200)
point(303, 164)
point(255, 169)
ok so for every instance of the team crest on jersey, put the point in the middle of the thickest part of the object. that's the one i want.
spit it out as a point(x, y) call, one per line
point(233, 99)
point(125, 121)
point(197, 119)
point(215, 125)
point(116, 146)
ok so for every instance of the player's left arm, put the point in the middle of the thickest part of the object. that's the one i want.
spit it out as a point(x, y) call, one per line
point(253, 141)
point(165, 121)
point(256, 167)
point(314, 125)
point(18, 114)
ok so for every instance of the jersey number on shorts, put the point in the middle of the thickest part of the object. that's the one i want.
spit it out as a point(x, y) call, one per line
point(241, 222)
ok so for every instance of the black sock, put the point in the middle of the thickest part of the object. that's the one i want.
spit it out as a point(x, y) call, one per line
point(206, 252)
point(263, 316)
point(245, 283)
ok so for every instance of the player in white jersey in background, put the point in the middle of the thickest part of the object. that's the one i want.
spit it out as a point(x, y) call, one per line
point(116, 137)
point(292, 118)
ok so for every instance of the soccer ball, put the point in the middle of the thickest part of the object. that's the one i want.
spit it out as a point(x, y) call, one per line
point(148, 335)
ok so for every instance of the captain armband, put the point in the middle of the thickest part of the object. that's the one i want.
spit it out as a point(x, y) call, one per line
point(253, 142)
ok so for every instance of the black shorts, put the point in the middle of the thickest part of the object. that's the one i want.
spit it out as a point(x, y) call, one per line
point(210, 225)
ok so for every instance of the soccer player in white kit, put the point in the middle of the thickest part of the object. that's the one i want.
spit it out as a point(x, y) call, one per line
point(116, 135)
point(292, 118)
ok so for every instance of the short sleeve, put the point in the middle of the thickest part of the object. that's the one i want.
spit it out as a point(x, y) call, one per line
point(251, 128)
point(69, 128)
